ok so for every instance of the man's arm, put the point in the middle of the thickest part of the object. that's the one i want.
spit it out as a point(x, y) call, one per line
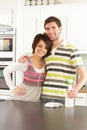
point(82, 77)
point(23, 59)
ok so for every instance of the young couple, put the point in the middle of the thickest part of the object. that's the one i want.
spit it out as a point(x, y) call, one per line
point(46, 71)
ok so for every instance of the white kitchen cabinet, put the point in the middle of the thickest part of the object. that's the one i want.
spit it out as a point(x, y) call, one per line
point(73, 17)
point(30, 24)
point(81, 99)
point(33, 22)
point(77, 25)
point(8, 12)
point(53, 10)
point(6, 18)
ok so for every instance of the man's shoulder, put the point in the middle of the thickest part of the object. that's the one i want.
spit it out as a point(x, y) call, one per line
point(67, 46)
point(70, 45)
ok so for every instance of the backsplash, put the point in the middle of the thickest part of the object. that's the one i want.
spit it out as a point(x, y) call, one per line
point(84, 57)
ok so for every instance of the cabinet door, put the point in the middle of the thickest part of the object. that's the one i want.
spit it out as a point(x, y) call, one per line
point(30, 23)
point(80, 100)
point(77, 25)
point(72, 16)
point(33, 23)
point(53, 10)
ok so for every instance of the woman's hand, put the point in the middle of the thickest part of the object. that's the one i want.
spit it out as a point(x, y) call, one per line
point(19, 90)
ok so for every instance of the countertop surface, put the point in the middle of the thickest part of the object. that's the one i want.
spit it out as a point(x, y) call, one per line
point(83, 90)
point(19, 115)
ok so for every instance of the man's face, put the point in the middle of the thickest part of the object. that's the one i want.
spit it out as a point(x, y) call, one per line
point(53, 31)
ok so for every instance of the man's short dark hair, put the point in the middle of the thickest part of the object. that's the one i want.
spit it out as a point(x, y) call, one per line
point(53, 19)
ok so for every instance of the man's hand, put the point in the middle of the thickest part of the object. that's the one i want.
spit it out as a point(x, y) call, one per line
point(19, 90)
point(22, 59)
point(72, 93)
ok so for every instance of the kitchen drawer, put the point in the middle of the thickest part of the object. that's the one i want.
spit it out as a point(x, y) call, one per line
point(81, 99)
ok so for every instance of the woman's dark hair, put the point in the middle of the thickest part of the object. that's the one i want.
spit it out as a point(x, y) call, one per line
point(47, 41)
point(53, 19)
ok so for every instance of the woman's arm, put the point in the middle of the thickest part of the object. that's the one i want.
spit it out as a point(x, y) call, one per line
point(10, 69)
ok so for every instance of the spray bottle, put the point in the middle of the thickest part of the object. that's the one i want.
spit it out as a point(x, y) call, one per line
point(69, 102)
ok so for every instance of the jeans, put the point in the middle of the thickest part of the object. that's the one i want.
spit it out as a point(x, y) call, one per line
point(45, 100)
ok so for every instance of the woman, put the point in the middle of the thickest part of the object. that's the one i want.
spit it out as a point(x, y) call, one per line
point(33, 71)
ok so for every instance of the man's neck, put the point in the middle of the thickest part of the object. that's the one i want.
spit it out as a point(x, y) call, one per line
point(57, 42)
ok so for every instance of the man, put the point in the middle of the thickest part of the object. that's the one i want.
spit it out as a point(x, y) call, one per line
point(64, 63)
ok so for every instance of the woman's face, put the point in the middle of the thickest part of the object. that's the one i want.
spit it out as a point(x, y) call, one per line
point(41, 49)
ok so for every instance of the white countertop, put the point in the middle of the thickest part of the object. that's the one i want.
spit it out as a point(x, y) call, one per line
point(81, 98)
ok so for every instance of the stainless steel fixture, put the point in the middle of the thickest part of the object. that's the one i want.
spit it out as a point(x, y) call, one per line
point(2, 80)
point(7, 51)
point(7, 42)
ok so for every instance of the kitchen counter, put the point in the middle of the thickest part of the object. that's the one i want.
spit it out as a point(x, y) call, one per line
point(83, 89)
point(80, 100)
point(19, 115)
